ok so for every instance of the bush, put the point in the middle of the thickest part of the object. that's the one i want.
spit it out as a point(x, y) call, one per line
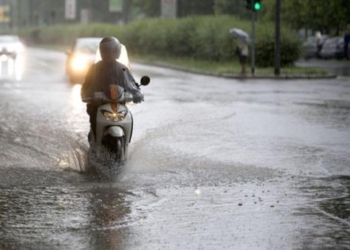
point(290, 46)
point(198, 37)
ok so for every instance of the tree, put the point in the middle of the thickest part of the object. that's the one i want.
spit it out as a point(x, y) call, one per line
point(195, 7)
point(325, 16)
point(151, 8)
point(231, 7)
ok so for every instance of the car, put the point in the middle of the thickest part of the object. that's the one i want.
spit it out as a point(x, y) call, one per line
point(339, 52)
point(310, 47)
point(333, 48)
point(80, 57)
point(313, 46)
point(10, 46)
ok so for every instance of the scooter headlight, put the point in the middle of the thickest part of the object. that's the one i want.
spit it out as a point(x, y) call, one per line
point(114, 116)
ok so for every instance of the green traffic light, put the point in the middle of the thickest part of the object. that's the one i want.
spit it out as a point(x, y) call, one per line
point(257, 6)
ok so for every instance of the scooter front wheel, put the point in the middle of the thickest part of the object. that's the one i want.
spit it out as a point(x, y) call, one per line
point(120, 154)
point(116, 146)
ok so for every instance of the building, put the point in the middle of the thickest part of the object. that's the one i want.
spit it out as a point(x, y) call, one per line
point(24, 13)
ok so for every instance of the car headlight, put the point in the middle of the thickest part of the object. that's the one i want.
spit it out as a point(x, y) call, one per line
point(114, 116)
point(19, 47)
point(79, 63)
point(11, 48)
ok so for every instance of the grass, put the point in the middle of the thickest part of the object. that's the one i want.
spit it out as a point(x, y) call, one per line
point(225, 67)
point(218, 68)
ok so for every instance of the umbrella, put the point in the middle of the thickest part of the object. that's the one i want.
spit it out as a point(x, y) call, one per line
point(240, 34)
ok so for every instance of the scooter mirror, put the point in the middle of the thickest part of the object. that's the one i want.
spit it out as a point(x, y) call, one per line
point(145, 80)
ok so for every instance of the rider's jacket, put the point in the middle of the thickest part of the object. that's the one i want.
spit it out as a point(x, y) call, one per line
point(103, 74)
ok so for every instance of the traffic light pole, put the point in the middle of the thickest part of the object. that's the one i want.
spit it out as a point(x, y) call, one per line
point(253, 6)
point(277, 38)
point(253, 42)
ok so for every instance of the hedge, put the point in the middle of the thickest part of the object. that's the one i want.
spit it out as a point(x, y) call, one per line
point(196, 37)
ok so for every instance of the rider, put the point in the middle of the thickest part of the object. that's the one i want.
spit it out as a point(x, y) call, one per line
point(108, 72)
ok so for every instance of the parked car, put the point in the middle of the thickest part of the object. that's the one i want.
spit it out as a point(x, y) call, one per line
point(339, 49)
point(333, 48)
point(313, 46)
point(310, 47)
point(10, 46)
point(320, 42)
point(339, 53)
point(81, 57)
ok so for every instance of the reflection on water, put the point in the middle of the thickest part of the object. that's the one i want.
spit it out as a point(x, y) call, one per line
point(111, 219)
point(12, 68)
point(67, 211)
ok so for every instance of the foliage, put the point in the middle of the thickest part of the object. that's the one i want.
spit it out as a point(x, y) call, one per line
point(315, 14)
point(207, 38)
point(201, 37)
point(198, 37)
point(322, 15)
point(151, 8)
point(232, 7)
point(53, 34)
point(195, 7)
point(265, 46)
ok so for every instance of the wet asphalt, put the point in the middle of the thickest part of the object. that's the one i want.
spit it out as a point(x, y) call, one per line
point(214, 163)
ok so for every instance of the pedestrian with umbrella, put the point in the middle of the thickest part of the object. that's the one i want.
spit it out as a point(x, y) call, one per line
point(241, 47)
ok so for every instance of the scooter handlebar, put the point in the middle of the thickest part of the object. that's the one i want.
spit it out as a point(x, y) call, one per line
point(101, 97)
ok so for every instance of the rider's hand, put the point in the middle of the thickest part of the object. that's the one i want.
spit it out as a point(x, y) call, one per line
point(137, 97)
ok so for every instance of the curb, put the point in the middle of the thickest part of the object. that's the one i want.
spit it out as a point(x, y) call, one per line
point(240, 77)
point(343, 78)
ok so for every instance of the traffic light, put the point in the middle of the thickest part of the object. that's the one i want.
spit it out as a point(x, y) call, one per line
point(257, 5)
point(253, 5)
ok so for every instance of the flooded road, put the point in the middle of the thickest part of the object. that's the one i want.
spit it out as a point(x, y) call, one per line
point(214, 164)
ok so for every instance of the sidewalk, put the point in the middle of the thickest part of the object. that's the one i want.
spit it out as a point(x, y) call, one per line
point(336, 67)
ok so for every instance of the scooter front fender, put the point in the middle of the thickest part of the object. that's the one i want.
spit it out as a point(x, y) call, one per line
point(114, 131)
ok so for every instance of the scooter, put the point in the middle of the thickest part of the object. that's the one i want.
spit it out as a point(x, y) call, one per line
point(114, 124)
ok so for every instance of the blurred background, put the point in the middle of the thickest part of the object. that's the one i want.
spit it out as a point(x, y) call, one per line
point(310, 15)
point(22, 13)
point(196, 31)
